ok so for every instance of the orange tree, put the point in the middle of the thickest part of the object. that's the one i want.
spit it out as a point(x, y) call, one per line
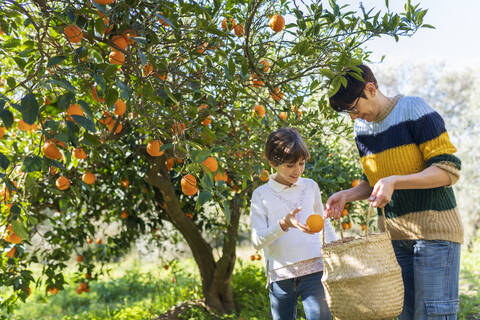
point(121, 117)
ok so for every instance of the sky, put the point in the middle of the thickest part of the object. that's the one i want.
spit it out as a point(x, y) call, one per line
point(453, 42)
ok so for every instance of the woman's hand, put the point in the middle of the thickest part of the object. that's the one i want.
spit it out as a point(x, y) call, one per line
point(290, 221)
point(335, 205)
point(382, 192)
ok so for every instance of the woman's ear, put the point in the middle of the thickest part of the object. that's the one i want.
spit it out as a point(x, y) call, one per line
point(370, 90)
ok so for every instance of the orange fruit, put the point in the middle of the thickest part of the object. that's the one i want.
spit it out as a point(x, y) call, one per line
point(258, 257)
point(259, 110)
point(120, 42)
point(53, 290)
point(228, 24)
point(153, 148)
point(266, 64)
point(104, 2)
point(201, 48)
point(95, 95)
point(79, 153)
point(53, 170)
point(90, 240)
point(128, 35)
point(124, 214)
point(355, 183)
point(207, 121)
point(47, 100)
point(88, 178)
point(265, 176)
point(344, 213)
point(189, 215)
point(62, 183)
point(255, 81)
point(99, 241)
point(315, 222)
point(2, 132)
point(51, 151)
point(125, 183)
point(283, 115)
point(22, 125)
point(239, 30)
point(11, 253)
point(169, 163)
point(11, 236)
point(75, 109)
point(106, 118)
point(73, 33)
point(120, 107)
point(162, 76)
point(253, 257)
point(79, 258)
point(163, 22)
point(211, 164)
point(202, 107)
point(147, 69)
point(363, 226)
point(189, 185)
point(221, 176)
point(111, 125)
point(276, 94)
point(116, 57)
point(277, 23)
point(346, 225)
point(178, 127)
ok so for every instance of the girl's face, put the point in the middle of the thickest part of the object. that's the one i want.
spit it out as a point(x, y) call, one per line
point(288, 173)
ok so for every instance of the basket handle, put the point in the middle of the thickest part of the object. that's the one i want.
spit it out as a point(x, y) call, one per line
point(369, 211)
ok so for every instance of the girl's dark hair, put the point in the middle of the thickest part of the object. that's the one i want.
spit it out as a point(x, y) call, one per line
point(345, 96)
point(285, 145)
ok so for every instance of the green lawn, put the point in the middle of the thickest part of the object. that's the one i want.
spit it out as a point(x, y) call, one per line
point(137, 290)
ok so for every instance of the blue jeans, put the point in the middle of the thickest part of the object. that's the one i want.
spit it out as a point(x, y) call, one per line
point(284, 296)
point(430, 271)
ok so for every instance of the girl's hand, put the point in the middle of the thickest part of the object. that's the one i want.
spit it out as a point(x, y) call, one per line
point(290, 221)
point(335, 205)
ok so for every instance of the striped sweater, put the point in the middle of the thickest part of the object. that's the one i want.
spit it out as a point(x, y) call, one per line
point(410, 137)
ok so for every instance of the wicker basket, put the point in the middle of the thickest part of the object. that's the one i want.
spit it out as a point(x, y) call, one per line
point(362, 278)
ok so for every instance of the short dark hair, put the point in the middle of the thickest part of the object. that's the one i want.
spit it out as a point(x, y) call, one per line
point(345, 96)
point(285, 145)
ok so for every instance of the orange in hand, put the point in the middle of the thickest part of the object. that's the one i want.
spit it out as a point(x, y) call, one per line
point(315, 223)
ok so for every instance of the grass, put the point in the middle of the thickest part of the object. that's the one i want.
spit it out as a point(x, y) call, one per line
point(138, 290)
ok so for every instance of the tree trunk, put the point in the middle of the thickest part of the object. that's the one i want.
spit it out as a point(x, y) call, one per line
point(216, 275)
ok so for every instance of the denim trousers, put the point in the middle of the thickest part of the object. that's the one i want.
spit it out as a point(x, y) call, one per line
point(430, 271)
point(284, 296)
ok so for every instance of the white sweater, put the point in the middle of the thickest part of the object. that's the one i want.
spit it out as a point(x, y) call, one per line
point(273, 201)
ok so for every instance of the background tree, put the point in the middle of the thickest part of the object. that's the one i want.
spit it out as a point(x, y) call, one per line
point(134, 114)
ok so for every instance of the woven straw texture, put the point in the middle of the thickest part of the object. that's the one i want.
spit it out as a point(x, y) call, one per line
point(362, 278)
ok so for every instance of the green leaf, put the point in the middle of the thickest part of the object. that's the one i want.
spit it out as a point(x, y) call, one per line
point(55, 61)
point(203, 198)
point(110, 70)
point(65, 100)
point(32, 163)
point(62, 83)
point(125, 90)
point(11, 82)
point(20, 230)
point(4, 162)
point(111, 95)
point(7, 117)
point(86, 108)
point(99, 25)
point(84, 122)
point(29, 107)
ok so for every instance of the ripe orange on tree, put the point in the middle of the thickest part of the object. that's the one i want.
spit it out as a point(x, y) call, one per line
point(283, 115)
point(346, 225)
point(221, 176)
point(201, 48)
point(162, 76)
point(111, 125)
point(22, 125)
point(11, 236)
point(211, 164)
point(344, 213)
point(53, 290)
point(259, 110)
point(125, 183)
point(315, 222)
point(239, 30)
point(128, 35)
point(178, 127)
point(207, 121)
point(2, 132)
point(147, 69)
point(266, 64)
point(228, 24)
point(124, 214)
point(120, 107)
point(355, 183)
point(265, 176)
point(116, 57)
point(363, 226)
point(79, 153)
point(75, 109)
point(95, 95)
point(88, 178)
point(153, 148)
point(73, 33)
point(277, 23)
point(62, 183)
point(255, 81)
point(11, 253)
point(258, 257)
point(169, 163)
point(189, 185)
point(51, 151)
point(79, 258)
point(252, 257)
point(276, 94)
point(120, 42)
